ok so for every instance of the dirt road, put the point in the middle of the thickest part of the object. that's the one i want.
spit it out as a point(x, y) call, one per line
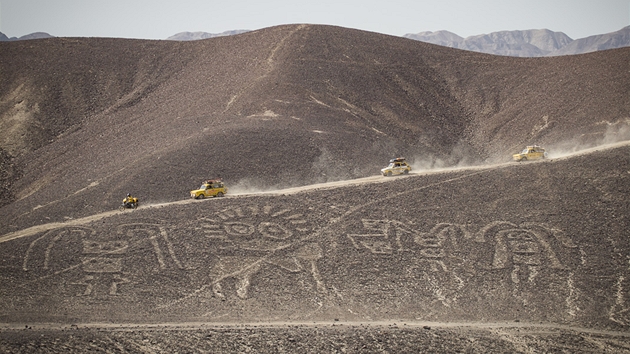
point(328, 185)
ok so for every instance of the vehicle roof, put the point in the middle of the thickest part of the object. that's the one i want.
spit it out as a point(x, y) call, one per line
point(213, 180)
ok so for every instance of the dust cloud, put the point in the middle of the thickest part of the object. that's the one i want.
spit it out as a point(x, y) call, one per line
point(249, 186)
point(461, 156)
point(614, 133)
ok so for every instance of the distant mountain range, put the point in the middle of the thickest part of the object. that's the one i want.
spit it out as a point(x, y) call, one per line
point(193, 36)
point(528, 43)
point(35, 35)
point(525, 43)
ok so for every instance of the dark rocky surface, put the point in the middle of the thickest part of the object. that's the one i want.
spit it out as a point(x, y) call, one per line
point(548, 253)
point(494, 257)
point(89, 120)
point(332, 337)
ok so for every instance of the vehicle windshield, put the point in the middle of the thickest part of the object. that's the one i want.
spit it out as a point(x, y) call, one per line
point(204, 186)
point(525, 151)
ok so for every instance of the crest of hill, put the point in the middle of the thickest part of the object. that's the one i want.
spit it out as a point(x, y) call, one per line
point(88, 120)
point(519, 43)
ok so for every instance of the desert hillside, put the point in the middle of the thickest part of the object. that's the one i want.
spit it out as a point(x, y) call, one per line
point(91, 119)
point(509, 257)
point(471, 251)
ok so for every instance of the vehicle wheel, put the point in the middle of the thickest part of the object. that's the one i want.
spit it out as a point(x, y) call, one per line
point(406, 172)
point(389, 174)
point(220, 194)
point(524, 159)
point(201, 196)
point(122, 208)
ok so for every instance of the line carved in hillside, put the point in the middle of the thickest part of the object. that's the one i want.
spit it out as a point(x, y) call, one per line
point(243, 228)
point(241, 245)
point(103, 256)
point(270, 66)
point(527, 244)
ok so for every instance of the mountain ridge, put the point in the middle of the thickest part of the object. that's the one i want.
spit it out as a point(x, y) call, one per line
point(527, 43)
point(518, 43)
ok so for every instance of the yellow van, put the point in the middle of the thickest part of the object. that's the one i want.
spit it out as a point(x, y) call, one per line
point(533, 152)
point(209, 188)
point(397, 166)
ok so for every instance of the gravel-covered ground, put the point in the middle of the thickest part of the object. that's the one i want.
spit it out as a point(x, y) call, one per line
point(486, 256)
point(344, 268)
point(312, 338)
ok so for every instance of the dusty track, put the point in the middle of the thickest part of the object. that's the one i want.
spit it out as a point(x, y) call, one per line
point(328, 185)
point(166, 326)
point(293, 190)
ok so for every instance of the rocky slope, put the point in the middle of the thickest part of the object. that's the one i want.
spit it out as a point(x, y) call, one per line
point(511, 257)
point(284, 106)
point(500, 244)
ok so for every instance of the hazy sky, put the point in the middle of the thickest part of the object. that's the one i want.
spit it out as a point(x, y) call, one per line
point(160, 19)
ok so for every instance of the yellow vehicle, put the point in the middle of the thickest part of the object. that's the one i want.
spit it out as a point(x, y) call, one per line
point(209, 188)
point(533, 152)
point(129, 202)
point(397, 166)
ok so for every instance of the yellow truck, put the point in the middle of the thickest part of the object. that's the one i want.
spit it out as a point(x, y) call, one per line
point(209, 188)
point(533, 152)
